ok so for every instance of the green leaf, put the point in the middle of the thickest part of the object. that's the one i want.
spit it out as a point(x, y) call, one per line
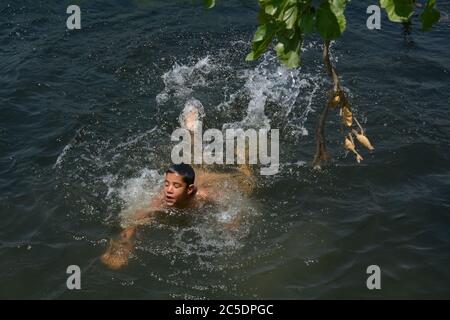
point(338, 6)
point(330, 19)
point(290, 33)
point(261, 40)
point(398, 10)
point(263, 17)
point(291, 59)
point(430, 4)
point(306, 23)
point(290, 16)
point(260, 33)
point(250, 56)
point(429, 16)
point(288, 51)
point(270, 10)
point(209, 3)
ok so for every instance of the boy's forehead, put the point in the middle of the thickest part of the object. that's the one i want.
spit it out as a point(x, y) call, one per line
point(174, 177)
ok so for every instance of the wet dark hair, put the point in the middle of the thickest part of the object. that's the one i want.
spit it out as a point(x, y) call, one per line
point(183, 170)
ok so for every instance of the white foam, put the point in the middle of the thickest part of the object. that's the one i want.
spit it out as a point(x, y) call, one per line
point(182, 79)
point(61, 156)
point(134, 193)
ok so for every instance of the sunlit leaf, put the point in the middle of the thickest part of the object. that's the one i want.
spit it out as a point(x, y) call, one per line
point(398, 10)
point(290, 17)
point(270, 10)
point(262, 38)
point(288, 51)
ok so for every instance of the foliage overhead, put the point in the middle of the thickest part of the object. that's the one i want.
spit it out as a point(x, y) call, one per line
point(289, 21)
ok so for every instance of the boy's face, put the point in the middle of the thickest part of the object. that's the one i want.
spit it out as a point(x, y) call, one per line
point(176, 191)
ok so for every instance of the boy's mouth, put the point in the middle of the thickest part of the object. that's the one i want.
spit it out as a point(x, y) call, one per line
point(170, 199)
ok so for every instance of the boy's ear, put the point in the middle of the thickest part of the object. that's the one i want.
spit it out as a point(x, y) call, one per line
point(190, 189)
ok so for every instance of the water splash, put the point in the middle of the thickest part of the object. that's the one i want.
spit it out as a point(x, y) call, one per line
point(192, 113)
point(181, 81)
point(292, 91)
point(135, 192)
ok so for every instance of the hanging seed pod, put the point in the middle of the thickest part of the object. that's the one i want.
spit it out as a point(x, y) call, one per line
point(362, 137)
point(349, 145)
point(347, 116)
point(363, 140)
point(336, 99)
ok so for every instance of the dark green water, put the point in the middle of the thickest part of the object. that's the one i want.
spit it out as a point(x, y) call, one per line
point(85, 126)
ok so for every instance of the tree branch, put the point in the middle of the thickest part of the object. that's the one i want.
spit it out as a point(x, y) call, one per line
point(322, 156)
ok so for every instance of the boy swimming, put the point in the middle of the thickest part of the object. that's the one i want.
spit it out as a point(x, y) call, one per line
point(184, 188)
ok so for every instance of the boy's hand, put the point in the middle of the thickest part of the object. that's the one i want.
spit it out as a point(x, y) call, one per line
point(118, 251)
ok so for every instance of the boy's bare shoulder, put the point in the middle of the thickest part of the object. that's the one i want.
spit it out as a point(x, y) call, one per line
point(203, 194)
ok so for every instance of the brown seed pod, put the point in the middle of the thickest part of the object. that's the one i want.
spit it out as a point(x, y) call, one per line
point(347, 116)
point(364, 141)
point(362, 137)
point(335, 100)
point(349, 145)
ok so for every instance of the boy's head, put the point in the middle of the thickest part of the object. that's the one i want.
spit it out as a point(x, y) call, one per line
point(179, 184)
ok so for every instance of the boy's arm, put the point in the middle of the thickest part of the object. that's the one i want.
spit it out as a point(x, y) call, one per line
point(119, 250)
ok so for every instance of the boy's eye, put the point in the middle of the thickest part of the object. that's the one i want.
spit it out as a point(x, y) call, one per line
point(177, 185)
